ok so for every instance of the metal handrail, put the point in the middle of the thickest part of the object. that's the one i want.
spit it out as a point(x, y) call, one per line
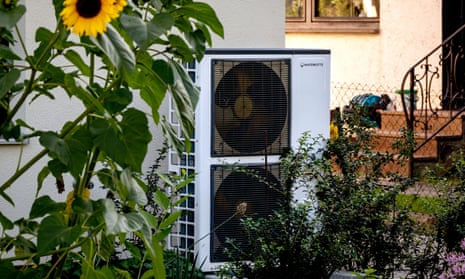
point(420, 78)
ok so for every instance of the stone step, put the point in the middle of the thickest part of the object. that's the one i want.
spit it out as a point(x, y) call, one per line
point(384, 141)
point(395, 120)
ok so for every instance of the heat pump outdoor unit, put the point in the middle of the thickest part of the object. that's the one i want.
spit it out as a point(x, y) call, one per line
point(254, 105)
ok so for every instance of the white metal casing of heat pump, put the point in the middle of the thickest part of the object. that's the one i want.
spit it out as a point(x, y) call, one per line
point(309, 112)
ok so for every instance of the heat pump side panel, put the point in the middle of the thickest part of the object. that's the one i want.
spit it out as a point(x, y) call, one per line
point(310, 98)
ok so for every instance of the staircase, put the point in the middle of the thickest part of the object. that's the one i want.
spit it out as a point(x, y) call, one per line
point(436, 149)
point(438, 133)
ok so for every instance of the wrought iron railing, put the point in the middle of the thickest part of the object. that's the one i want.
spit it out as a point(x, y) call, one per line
point(442, 70)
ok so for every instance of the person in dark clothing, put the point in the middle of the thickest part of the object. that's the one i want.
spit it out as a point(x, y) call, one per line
point(371, 106)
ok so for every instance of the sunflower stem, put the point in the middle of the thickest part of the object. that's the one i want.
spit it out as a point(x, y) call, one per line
point(34, 70)
point(18, 173)
point(92, 69)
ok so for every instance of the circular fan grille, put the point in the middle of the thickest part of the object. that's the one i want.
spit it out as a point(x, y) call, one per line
point(250, 107)
point(240, 195)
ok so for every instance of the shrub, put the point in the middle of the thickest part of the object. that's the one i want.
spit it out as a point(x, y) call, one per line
point(348, 220)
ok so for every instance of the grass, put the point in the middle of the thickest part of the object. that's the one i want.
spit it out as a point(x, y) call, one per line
point(420, 204)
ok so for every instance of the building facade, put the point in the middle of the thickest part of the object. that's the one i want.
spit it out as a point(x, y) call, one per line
point(373, 48)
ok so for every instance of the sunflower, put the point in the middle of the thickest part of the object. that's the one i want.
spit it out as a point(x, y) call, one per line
point(90, 17)
point(119, 5)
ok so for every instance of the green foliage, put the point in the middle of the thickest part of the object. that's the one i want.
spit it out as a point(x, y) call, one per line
point(420, 204)
point(357, 205)
point(285, 245)
point(368, 273)
point(181, 266)
point(348, 221)
point(139, 54)
point(440, 226)
point(450, 225)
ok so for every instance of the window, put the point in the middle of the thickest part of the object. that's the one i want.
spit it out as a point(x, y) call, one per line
point(332, 16)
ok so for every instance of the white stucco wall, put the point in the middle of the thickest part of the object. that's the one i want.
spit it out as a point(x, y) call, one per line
point(408, 31)
point(247, 23)
point(250, 23)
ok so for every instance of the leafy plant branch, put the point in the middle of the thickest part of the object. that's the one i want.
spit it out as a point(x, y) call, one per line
point(122, 51)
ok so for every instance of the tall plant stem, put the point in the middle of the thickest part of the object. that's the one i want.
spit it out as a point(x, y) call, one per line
point(34, 70)
point(19, 172)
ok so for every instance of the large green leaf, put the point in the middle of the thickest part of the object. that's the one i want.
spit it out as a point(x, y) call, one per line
point(105, 136)
point(124, 142)
point(9, 19)
point(197, 41)
point(152, 86)
point(54, 231)
point(79, 143)
point(161, 199)
point(43, 35)
point(7, 53)
point(160, 24)
point(191, 89)
point(116, 101)
point(136, 28)
point(54, 76)
point(131, 189)
point(203, 13)
point(170, 220)
point(8, 81)
point(135, 136)
point(206, 33)
point(117, 50)
point(143, 32)
point(149, 218)
point(172, 136)
point(77, 61)
point(117, 223)
point(57, 168)
point(153, 92)
point(8, 270)
point(24, 246)
point(163, 70)
point(57, 146)
point(44, 205)
point(180, 48)
point(5, 222)
point(85, 95)
point(185, 95)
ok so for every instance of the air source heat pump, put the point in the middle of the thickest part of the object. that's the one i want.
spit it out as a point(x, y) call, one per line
point(254, 105)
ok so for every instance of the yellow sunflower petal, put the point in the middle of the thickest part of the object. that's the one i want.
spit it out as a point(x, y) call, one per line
point(70, 199)
point(119, 5)
point(90, 17)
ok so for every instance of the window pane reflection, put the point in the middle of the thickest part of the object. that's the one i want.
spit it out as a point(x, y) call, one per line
point(295, 9)
point(347, 8)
